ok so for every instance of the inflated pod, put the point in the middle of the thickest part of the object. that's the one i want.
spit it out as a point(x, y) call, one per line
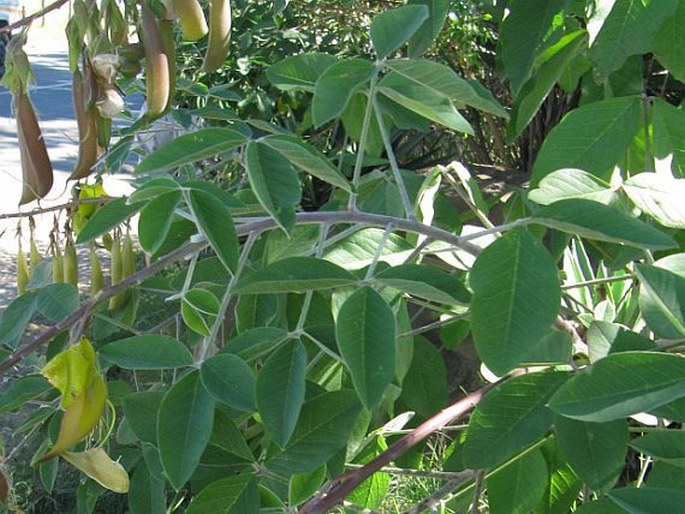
point(128, 257)
point(70, 264)
point(193, 22)
point(219, 34)
point(166, 32)
point(57, 266)
point(22, 271)
point(35, 163)
point(158, 78)
point(97, 281)
point(34, 255)
point(117, 300)
point(87, 124)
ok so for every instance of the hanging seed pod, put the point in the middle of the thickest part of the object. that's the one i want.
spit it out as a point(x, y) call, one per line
point(35, 162)
point(34, 255)
point(57, 265)
point(128, 257)
point(193, 22)
point(117, 300)
point(132, 51)
point(22, 271)
point(86, 121)
point(70, 264)
point(97, 281)
point(166, 32)
point(158, 78)
point(219, 34)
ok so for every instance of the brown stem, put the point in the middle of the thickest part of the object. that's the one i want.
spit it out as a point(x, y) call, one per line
point(68, 205)
point(338, 488)
point(38, 14)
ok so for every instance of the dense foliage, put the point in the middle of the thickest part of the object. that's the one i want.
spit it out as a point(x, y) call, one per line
point(320, 290)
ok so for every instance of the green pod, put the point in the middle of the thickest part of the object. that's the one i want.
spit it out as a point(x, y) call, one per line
point(34, 256)
point(22, 271)
point(128, 257)
point(219, 35)
point(157, 72)
point(117, 300)
point(70, 264)
point(97, 281)
point(57, 268)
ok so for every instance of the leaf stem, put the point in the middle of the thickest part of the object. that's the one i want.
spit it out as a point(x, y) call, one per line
point(598, 281)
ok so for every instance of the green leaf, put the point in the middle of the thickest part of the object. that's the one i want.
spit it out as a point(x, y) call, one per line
point(669, 43)
point(620, 385)
point(522, 33)
point(147, 352)
point(593, 138)
point(230, 381)
point(299, 71)
point(21, 391)
point(662, 300)
point(519, 486)
point(193, 147)
point(335, 88)
point(668, 123)
point(155, 220)
point(667, 445)
point(110, 215)
point(627, 30)
point(296, 274)
point(140, 410)
point(274, 182)
point(146, 494)
point(307, 158)
point(199, 309)
point(646, 499)
point(423, 101)
point(391, 29)
point(280, 390)
point(227, 436)
point(659, 196)
point(232, 495)
point(425, 35)
point(365, 331)
point(184, 426)
point(516, 296)
point(216, 223)
point(304, 485)
point(604, 337)
point(442, 80)
point(601, 506)
point(425, 282)
point(371, 493)
point(571, 183)
point(255, 342)
point(57, 301)
point(152, 189)
point(424, 388)
point(325, 424)
point(553, 62)
point(595, 451)
point(16, 317)
point(594, 220)
point(509, 418)
point(358, 250)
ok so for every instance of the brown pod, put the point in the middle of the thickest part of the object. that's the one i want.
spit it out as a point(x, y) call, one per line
point(193, 23)
point(35, 163)
point(86, 121)
point(219, 34)
point(158, 78)
point(166, 31)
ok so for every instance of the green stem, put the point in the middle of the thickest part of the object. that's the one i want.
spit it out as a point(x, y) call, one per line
point(352, 204)
point(404, 195)
point(598, 281)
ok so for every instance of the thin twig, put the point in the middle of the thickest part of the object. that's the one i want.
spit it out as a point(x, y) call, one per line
point(431, 501)
point(65, 206)
point(38, 14)
point(422, 473)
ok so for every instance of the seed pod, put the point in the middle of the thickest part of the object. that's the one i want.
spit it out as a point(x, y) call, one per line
point(34, 255)
point(219, 34)
point(57, 266)
point(22, 271)
point(131, 51)
point(35, 163)
point(117, 300)
point(86, 121)
point(158, 78)
point(128, 257)
point(97, 281)
point(109, 103)
point(193, 23)
point(70, 264)
point(166, 32)
point(130, 68)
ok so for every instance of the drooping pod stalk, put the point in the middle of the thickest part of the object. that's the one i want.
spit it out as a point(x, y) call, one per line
point(158, 78)
point(35, 163)
point(219, 34)
point(193, 23)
